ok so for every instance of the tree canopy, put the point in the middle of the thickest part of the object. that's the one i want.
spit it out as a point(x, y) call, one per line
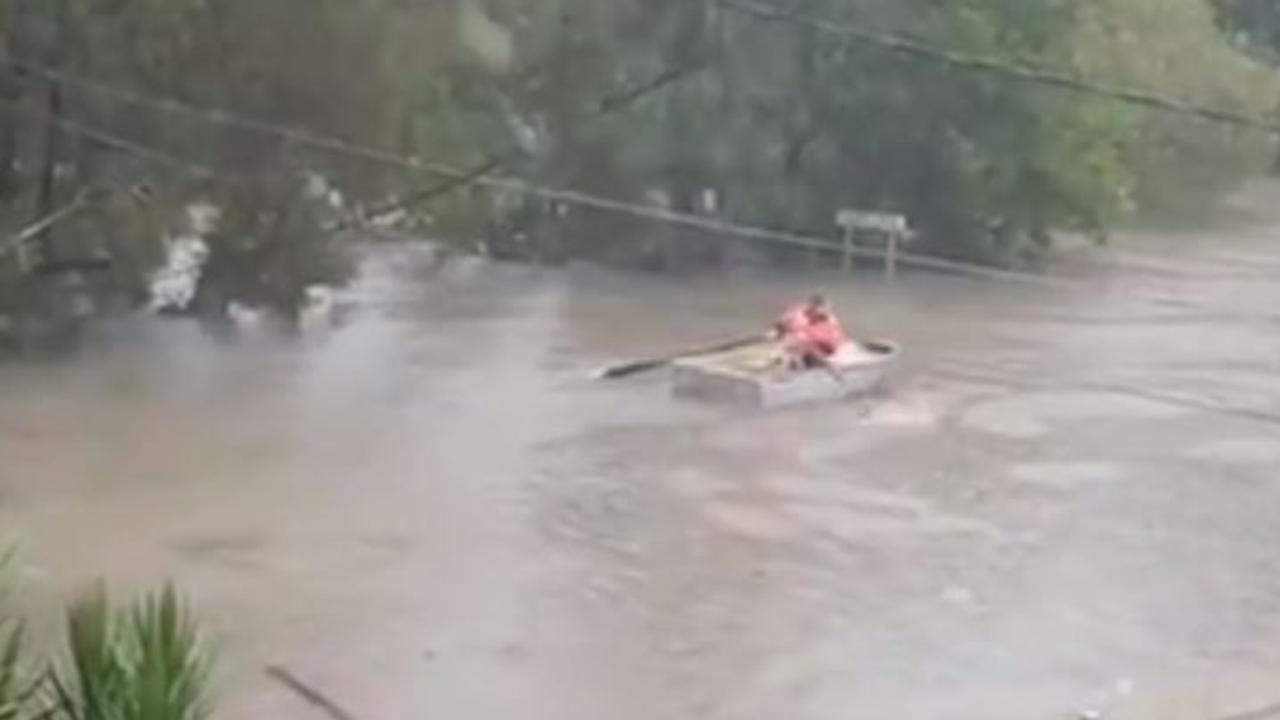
point(777, 122)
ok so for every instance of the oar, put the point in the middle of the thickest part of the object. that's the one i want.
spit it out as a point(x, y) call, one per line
point(636, 367)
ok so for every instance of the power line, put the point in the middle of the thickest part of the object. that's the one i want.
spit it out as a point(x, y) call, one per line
point(570, 197)
point(14, 242)
point(211, 116)
point(112, 141)
point(482, 173)
point(86, 197)
point(612, 103)
point(456, 177)
point(900, 45)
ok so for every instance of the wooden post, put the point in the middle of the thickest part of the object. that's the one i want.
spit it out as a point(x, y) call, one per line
point(53, 105)
point(891, 256)
point(847, 259)
point(893, 228)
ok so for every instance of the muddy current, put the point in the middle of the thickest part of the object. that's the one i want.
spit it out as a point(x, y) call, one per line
point(1063, 503)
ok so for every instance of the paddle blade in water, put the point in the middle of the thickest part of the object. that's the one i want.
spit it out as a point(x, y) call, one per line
point(617, 372)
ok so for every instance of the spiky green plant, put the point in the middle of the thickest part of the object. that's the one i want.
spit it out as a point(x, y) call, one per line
point(172, 677)
point(18, 686)
point(149, 662)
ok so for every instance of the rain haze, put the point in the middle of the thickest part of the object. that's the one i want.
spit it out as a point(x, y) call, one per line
point(639, 359)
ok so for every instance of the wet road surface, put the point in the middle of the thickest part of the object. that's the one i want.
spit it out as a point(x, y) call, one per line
point(1065, 503)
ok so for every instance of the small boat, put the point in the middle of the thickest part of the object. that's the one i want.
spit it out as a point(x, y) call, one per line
point(752, 376)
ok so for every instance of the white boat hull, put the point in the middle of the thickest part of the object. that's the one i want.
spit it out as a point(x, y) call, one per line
point(751, 376)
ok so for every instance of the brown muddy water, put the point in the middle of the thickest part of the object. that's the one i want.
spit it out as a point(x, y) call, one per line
point(1065, 503)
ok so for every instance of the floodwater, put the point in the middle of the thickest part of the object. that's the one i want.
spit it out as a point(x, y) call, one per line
point(1065, 503)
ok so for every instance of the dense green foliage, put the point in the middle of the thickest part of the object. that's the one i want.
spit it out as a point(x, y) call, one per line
point(781, 124)
point(790, 124)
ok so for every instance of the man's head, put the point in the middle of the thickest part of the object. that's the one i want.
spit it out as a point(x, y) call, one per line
point(817, 307)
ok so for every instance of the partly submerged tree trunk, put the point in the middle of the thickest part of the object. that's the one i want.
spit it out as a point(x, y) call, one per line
point(9, 140)
point(11, 91)
point(46, 192)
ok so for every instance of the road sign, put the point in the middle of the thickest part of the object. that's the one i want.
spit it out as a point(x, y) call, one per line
point(874, 221)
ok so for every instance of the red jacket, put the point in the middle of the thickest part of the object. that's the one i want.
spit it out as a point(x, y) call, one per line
point(792, 321)
point(802, 331)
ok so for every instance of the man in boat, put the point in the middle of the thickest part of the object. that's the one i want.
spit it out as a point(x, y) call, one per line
point(810, 334)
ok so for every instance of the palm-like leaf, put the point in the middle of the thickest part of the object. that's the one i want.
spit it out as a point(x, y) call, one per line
point(170, 676)
point(147, 663)
point(18, 686)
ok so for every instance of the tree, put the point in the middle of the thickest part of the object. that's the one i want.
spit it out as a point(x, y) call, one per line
point(792, 123)
point(771, 123)
point(331, 79)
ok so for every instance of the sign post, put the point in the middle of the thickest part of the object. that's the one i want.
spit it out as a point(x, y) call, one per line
point(846, 263)
point(893, 227)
